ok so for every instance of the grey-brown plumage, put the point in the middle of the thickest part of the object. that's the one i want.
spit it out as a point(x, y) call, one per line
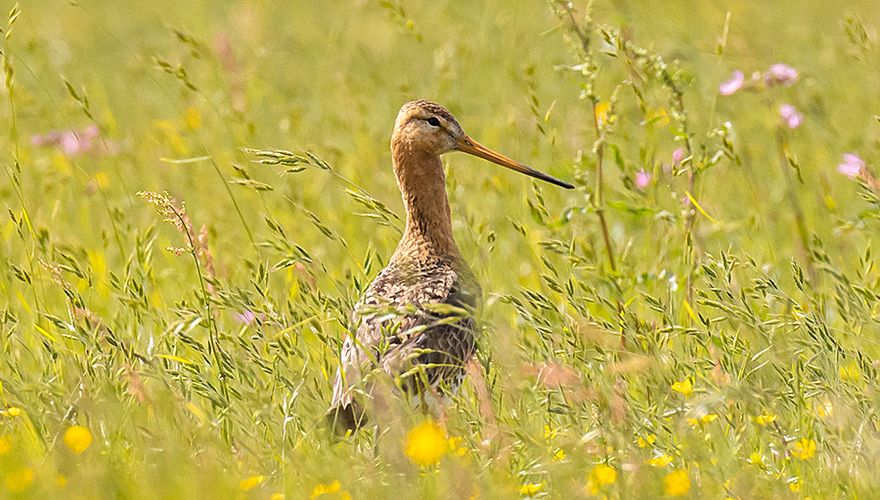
point(415, 321)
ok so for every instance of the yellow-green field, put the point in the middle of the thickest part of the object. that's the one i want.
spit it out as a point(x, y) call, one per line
point(717, 339)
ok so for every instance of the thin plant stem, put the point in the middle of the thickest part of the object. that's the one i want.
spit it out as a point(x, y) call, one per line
point(14, 174)
point(214, 336)
point(796, 208)
point(600, 191)
point(599, 147)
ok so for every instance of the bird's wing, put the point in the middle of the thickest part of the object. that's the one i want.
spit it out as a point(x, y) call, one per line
point(392, 315)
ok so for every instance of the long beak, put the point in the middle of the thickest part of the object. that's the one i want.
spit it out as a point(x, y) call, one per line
point(472, 147)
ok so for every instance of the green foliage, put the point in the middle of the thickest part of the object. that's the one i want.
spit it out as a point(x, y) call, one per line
point(710, 332)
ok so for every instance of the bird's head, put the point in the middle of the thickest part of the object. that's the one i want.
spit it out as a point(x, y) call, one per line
point(427, 127)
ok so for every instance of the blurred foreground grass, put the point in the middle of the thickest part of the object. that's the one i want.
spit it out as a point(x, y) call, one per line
point(727, 348)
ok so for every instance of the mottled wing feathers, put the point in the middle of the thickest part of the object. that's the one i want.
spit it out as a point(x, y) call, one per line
point(415, 319)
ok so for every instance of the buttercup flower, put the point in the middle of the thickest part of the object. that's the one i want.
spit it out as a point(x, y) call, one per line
point(250, 482)
point(660, 461)
point(332, 488)
point(426, 443)
point(18, 480)
point(756, 458)
point(765, 419)
point(530, 489)
point(602, 475)
point(77, 439)
point(705, 419)
point(603, 110)
point(12, 411)
point(457, 447)
point(677, 483)
point(850, 372)
point(804, 449)
point(684, 387)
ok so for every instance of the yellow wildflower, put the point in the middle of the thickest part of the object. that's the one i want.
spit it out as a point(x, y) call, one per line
point(549, 433)
point(603, 113)
point(765, 419)
point(756, 458)
point(660, 461)
point(530, 489)
point(602, 475)
point(825, 409)
point(173, 136)
point(831, 205)
point(658, 116)
point(426, 443)
point(193, 118)
point(19, 480)
point(677, 483)
point(705, 419)
point(276, 496)
point(5, 445)
point(559, 455)
point(251, 482)
point(684, 387)
point(646, 441)
point(794, 486)
point(455, 445)
point(850, 372)
point(102, 180)
point(61, 481)
point(12, 411)
point(77, 438)
point(329, 489)
point(804, 449)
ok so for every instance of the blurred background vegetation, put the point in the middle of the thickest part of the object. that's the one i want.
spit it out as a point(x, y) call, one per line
point(763, 300)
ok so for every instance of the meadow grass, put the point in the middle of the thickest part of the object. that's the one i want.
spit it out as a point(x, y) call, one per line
point(196, 193)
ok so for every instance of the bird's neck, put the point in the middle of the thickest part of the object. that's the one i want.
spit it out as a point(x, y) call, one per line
point(422, 183)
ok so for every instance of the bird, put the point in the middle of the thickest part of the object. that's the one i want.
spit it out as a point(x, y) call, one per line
point(414, 323)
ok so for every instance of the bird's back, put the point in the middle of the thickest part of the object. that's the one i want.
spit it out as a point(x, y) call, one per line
point(415, 321)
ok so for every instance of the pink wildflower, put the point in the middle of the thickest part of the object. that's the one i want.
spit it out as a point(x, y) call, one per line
point(71, 142)
point(780, 74)
point(643, 179)
point(852, 165)
point(791, 116)
point(734, 83)
point(677, 156)
point(247, 317)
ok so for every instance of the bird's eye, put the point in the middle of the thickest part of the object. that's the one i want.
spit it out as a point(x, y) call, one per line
point(433, 121)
